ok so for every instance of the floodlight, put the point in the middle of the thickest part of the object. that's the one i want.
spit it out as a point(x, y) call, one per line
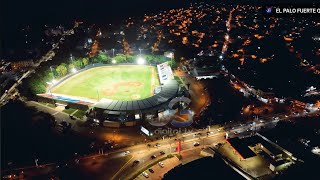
point(170, 55)
point(74, 70)
point(113, 61)
point(140, 60)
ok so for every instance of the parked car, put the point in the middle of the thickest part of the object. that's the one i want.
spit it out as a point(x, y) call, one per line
point(153, 156)
point(151, 170)
point(135, 162)
point(195, 144)
point(145, 174)
point(157, 145)
point(162, 153)
point(161, 164)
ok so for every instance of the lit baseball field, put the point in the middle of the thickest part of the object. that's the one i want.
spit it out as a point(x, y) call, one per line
point(123, 82)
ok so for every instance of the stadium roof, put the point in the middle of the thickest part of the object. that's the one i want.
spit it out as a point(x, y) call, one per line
point(209, 71)
point(168, 91)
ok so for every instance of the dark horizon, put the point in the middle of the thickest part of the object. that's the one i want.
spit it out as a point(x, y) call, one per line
point(15, 12)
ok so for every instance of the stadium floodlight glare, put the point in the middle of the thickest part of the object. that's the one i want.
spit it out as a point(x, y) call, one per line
point(73, 70)
point(170, 55)
point(221, 57)
point(113, 61)
point(141, 60)
point(54, 81)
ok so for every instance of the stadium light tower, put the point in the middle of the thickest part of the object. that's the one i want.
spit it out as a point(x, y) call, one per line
point(112, 52)
point(170, 55)
point(54, 81)
point(53, 78)
point(141, 60)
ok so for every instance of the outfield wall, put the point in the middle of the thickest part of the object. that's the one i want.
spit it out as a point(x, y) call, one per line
point(43, 99)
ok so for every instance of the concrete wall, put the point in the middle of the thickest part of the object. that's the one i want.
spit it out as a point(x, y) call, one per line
point(71, 105)
point(111, 124)
point(130, 123)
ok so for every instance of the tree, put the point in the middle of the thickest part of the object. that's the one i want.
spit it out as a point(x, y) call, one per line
point(108, 60)
point(96, 60)
point(71, 66)
point(85, 61)
point(148, 58)
point(120, 58)
point(173, 64)
point(78, 63)
point(62, 70)
point(36, 86)
point(102, 58)
point(130, 58)
point(50, 75)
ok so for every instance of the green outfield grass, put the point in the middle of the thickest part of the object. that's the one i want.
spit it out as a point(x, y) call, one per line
point(123, 82)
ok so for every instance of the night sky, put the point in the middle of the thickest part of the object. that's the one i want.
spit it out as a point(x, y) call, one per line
point(16, 14)
point(96, 11)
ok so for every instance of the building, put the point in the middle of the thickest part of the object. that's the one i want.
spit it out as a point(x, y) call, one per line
point(18, 65)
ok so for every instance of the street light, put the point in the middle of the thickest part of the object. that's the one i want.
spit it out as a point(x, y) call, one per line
point(226, 37)
point(140, 50)
point(114, 61)
point(112, 52)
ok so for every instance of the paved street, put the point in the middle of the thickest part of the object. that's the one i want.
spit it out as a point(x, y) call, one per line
point(159, 171)
point(143, 153)
point(10, 93)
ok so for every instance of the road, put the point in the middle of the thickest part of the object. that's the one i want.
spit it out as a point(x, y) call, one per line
point(143, 153)
point(59, 116)
point(48, 56)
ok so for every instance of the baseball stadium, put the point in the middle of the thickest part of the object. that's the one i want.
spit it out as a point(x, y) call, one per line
point(117, 90)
